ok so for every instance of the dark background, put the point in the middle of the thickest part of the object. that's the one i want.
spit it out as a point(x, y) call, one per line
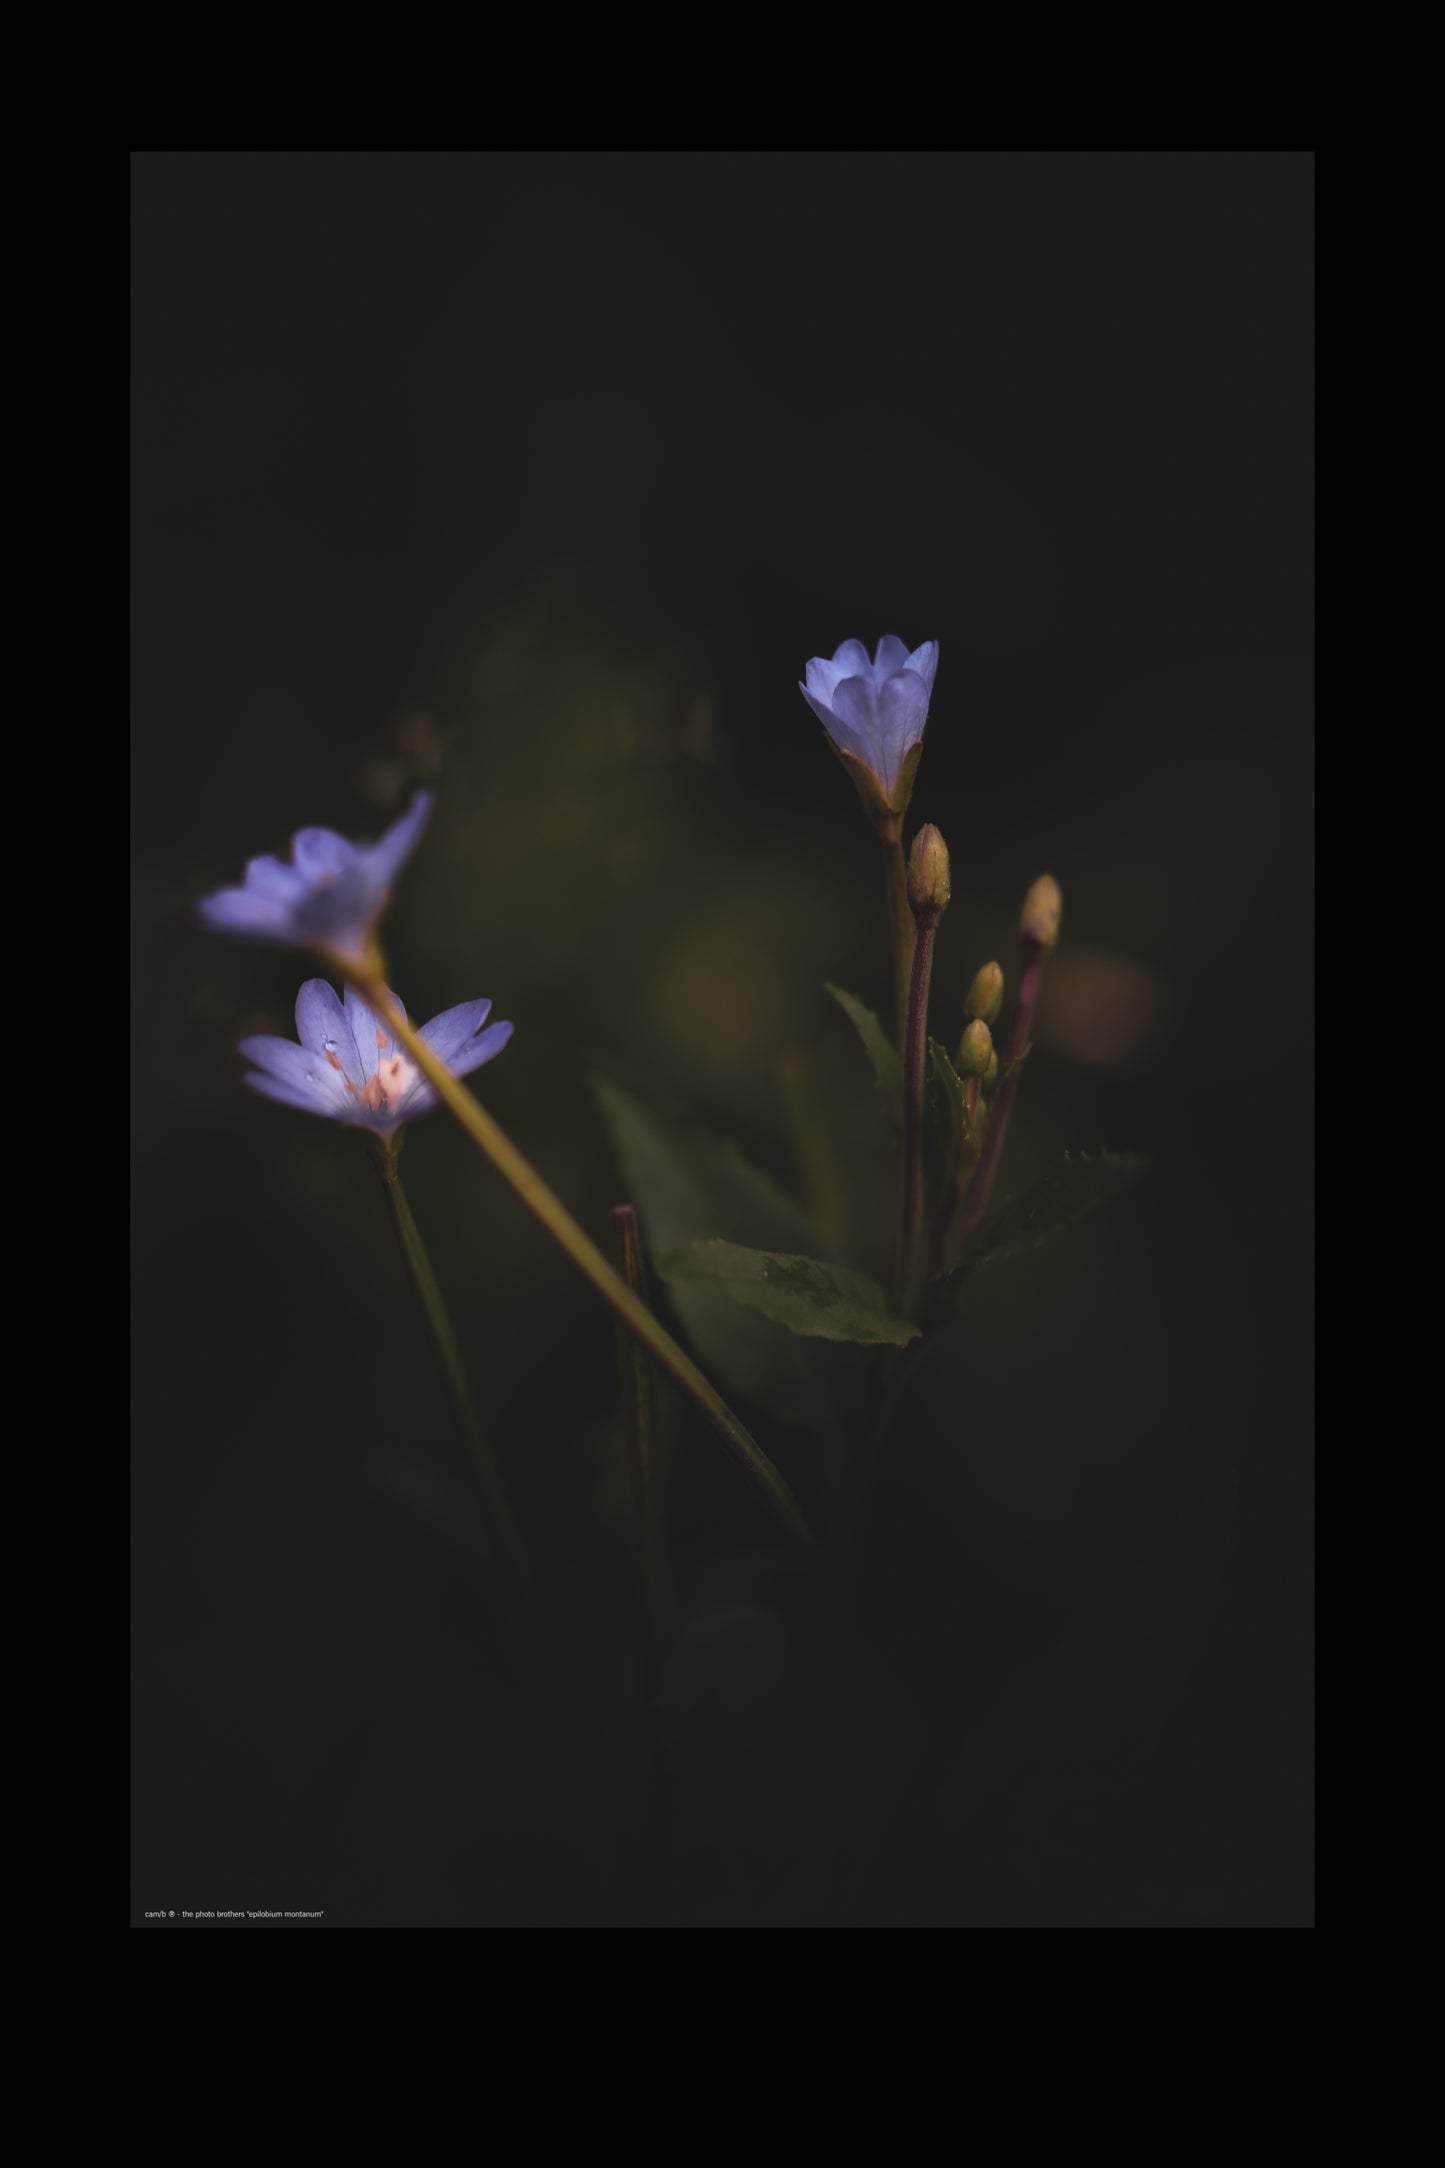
point(540, 477)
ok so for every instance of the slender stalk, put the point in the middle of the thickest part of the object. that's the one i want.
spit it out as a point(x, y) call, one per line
point(981, 1187)
point(434, 1314)
point(523, 1178)
point(443, 1340)
point(910, 1163)
point(837, 1561)
point(961, 1162)
point(900, 917)
point(635, 1376)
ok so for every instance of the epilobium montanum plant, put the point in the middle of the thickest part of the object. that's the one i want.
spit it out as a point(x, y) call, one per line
point(746, 1306)
point(331, 898)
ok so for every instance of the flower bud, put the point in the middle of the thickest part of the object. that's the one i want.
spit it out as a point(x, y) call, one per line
point(1039, 922)
point(984, 998)
point(928, 881)
point(990, 1074)
point(975, 1049)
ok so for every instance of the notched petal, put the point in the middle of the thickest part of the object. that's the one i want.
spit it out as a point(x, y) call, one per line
point(386, 858)
point(268, 877)
point(448, 1034)
point(925, 661)
point(852, 659)
point(820, 677)
point(322, 855)
point(483, 1048)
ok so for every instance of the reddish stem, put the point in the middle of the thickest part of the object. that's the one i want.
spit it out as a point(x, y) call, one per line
point(1020, 1028)
point(915, 1041)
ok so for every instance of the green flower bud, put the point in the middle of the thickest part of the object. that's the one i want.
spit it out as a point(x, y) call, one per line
point(928, 878)
point(1039, 922)
point(975, 1049)
point(990, 1074)
point(984, 998)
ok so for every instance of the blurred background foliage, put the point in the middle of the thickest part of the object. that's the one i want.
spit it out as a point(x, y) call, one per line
point(539, 478)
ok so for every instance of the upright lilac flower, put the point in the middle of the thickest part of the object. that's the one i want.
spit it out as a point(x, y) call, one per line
point(330, 896)
point(874, 714)
point(350, 1068)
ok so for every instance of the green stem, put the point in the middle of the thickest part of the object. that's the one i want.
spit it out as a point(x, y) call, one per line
point(900, 916)
point(839, 1556)
point(910, 1160)
point(635, 1376)
point(961, 1162)
point(438, 1325)
point(523, 1178)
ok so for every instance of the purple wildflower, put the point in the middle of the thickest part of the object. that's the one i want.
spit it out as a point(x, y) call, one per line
point(875, 712)
point(348, 1066)
point(329, 897)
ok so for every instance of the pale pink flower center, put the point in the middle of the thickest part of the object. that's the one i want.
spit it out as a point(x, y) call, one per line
point(393, 1079)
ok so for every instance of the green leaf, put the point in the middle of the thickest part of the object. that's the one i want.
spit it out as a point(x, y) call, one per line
point(819, 1301)
point(1065, 1194)
point(688, 1187)
point(887, 1068)
point(688, 1184)
point(816, 1151)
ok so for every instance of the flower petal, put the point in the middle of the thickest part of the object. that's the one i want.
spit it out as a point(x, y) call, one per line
point(419, 1100)
point(449, 1034)
point(340, 914)
point(422, 1097)
point(305, 1096)
point(309, 1075)
point(324, 1029)
point(842, 734)
point(855, 703)
point(278, 1057)
point(891, 656)
point(322, 855)
point(374, 1042)
point(386, 858)
point(268, 877)
point(853, 659)
point(483, 1048)
point(820, 677)
point(925, 661)
point(240, 910)
point(903, 711)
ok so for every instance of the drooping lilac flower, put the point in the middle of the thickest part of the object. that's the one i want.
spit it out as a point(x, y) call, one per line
point(348, 1066)
point(874, 712)
point(330, 896)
